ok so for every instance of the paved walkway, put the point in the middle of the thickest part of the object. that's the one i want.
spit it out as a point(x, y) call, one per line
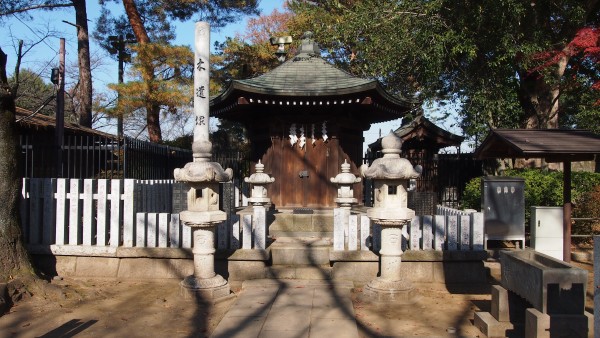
point(290, 308)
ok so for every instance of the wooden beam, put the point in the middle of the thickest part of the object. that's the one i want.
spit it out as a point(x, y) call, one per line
point(567, 211)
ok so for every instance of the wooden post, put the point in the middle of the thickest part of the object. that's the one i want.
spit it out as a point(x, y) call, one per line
point(567, 211)
point(60, 107)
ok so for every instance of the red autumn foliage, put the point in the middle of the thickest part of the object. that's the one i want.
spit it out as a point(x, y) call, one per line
point(586, 44)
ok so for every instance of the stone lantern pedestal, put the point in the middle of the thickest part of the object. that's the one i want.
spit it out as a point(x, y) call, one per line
point(390, 176)
point(259, 199)
point(202, 216)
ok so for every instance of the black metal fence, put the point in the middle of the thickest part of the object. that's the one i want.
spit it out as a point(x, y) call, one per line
point(94, 156)
point(442, 181)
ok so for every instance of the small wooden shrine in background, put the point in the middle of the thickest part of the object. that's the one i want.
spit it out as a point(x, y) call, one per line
point(304, 119)
point(422, 141)
point(444, 175)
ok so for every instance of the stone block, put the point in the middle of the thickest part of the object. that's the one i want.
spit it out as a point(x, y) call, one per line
point(358, 272)
point(259, 225)
point(302, 223)
point(280, 272)
point(456, 272)
point(537, 324)
point(65, 265)
point(144, 268)
point(550, 285)
point(299, 272)
point(541, 325)
point(249, 255)
point(489, 326)
point(322, 223)
point(55, 265)
point(500, 308)
point(353, 256)
point(244, 270)
point(313, 272)
point(418, 271)
point(338, 229)
point(97, 267)
point(287, 255)
point(452, 232)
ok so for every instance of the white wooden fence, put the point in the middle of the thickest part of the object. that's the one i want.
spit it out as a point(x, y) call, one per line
point(92, 211)
point(103, 213)
point(450, 230)
point(113, 213)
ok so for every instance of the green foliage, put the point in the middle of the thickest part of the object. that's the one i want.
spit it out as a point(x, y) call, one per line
point(32, 92)
point(542, 188)
point(588, 207)
point(490, 55)
point(545, 188)
point(471, 198)
point(230, 139)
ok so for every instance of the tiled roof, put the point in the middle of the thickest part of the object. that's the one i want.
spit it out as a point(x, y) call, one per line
point(297, 81)
point(307, 74)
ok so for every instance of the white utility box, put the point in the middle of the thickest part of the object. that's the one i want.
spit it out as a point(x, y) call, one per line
point(547, 230)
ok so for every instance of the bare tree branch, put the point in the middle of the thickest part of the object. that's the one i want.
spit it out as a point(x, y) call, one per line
point(33, 7)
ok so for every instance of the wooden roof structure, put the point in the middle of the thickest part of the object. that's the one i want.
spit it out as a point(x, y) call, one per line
point(26, 119)
point(422, 133)
point(308, 86)
point(554, 145)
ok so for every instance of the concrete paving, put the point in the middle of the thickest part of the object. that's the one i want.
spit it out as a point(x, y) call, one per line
point(290, 308)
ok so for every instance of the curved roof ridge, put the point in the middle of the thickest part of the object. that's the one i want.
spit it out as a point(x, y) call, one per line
point(307, 73)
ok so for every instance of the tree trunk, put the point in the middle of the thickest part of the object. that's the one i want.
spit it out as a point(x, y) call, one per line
point(14, 260)
point(84, 94)
point(539, 96)
point(152, 122)
point(152, 108)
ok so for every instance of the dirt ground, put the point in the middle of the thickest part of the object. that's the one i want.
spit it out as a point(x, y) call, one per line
point(108, 308)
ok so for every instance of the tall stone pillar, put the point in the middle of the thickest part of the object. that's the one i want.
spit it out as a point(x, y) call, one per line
point(203, 177)
point(390, 176)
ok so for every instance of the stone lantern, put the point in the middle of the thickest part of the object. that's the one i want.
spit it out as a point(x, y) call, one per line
point(390, 175)
point(345, 199)
point(203, 177)
point(259, 199)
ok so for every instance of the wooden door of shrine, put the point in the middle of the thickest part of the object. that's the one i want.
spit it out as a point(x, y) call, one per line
point(302, 174)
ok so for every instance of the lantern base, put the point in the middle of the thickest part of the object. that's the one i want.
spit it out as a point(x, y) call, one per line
point(385, 291)
point(206, 289)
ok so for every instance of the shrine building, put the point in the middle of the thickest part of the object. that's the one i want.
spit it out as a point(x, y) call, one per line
point(304, 118)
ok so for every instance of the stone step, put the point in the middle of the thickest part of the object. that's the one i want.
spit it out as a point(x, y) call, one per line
point(282, 223)
point(287, 233)
point(322, 272)
point(298, 251)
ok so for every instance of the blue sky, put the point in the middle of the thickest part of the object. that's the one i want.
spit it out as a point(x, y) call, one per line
point(44, 56)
